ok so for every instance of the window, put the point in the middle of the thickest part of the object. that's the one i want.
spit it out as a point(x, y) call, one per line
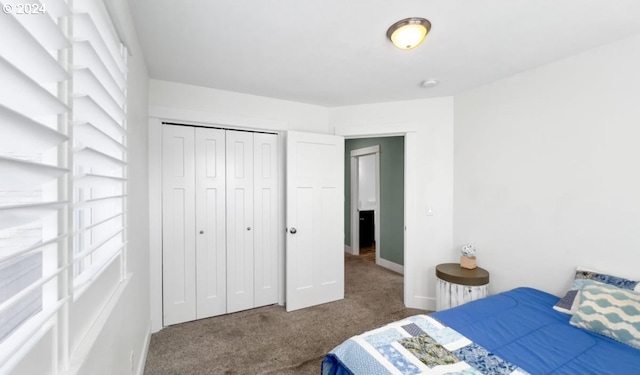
point(63, 170)
point(99, 142)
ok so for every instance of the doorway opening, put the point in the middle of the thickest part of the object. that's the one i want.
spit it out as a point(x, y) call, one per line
point(365, 202)
point(374, 200)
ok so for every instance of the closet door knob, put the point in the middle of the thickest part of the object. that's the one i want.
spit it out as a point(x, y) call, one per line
point(248, 228)
point(201, 232)
point(293, 230)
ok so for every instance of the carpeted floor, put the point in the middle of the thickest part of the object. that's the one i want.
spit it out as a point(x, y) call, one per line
point(269, 340)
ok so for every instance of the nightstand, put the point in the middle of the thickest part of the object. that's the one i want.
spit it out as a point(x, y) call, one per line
point(457, 285)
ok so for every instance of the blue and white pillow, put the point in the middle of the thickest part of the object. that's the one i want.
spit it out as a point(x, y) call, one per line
point(610, 311)
point(583, 277)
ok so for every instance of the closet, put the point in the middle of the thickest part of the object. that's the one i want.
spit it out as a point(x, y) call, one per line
point(219, 219)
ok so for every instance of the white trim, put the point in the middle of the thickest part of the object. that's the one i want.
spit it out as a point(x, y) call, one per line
point(395, 267)
point(208, 118)
point(365, 151)
point(424, 303)
point(355, 198)
point(155, 223)
point(347, 249)
point(145, 350)
point(411, 169)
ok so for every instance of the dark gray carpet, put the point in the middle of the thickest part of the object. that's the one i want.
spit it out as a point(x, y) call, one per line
point(269, 340)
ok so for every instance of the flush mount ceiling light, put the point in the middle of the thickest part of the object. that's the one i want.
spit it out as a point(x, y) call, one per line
point(409, 32)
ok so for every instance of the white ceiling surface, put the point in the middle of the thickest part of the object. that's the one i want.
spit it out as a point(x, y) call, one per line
point(335, 52)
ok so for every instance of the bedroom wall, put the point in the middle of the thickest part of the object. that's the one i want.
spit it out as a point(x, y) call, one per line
point(428, 128)
point(546, 170)
point(229, 108)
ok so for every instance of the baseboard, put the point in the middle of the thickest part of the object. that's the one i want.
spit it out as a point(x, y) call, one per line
point(348, 249)
point(422, 303)
point(144, 352)
point(395, 267)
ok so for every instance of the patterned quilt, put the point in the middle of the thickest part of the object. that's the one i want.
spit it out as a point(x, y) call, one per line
point(415, 345)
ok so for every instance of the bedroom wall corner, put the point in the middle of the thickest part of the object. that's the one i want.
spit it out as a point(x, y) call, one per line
point(545, 167)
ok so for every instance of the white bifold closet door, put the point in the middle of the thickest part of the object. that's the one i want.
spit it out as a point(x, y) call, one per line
point(220, 215)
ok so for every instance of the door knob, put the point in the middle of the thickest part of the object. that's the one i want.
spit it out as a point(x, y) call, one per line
point(293, 230)
point(248, 228)
point(201, 232)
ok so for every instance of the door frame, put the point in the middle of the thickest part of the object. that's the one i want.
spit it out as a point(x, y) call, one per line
point(355, 194)
point(411, 243)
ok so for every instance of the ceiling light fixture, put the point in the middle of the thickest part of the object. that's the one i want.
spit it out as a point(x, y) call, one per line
point(429, 83)
point(409, 32)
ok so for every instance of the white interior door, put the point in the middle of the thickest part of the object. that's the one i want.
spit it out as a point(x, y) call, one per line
point(240, 260)
point(211, 264)
point(265, 218)
point(315, 219)
point(178, 221)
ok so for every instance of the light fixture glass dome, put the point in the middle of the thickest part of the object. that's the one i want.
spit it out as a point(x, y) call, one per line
point(409, 32)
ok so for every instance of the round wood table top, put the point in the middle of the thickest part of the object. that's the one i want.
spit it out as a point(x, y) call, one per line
point(453, 273)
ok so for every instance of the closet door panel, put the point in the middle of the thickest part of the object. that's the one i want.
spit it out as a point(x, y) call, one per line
point(240, 260)
point(265, 251)
point(178, 221)
point(211, 265)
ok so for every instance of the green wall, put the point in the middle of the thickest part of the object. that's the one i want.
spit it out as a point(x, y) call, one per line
point(391, 194)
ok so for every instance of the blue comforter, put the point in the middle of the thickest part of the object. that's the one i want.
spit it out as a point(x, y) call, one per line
point(508, 333)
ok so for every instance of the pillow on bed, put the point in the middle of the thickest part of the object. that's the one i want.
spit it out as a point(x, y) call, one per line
point(569, 303)
point(610, 311)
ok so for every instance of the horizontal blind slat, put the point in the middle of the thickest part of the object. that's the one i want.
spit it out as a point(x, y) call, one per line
point(31, 288)
point(27, 135)
point(93, 202)
point(90, 180)
point(15, 215)
point(43, 28)
point(33, 248)
point(20, 48)
point(86, 57)
point(97, 224)
point(56, 8)
point(92, 136)
point(90, 25)
point(31, 332)
point(97, 245)
point(87, 110)
point(19, 92)
point(87, 84)
point(95, 159)
point(26, 175)
point(82, 283)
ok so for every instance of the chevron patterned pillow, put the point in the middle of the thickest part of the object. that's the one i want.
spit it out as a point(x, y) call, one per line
point(610, 311)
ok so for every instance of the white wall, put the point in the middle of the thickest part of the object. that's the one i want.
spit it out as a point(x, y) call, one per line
point(170, 99)
point(192, 104)
point(428, 128)
point(546, 170)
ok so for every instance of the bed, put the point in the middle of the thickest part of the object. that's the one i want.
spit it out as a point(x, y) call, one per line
point(515, 332)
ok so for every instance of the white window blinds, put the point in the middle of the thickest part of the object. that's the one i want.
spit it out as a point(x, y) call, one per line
point(32, 170)
point(63, 163)
point(99, 142)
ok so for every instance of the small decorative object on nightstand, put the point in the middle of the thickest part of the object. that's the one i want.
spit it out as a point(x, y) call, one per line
point(457, 285)
point(468, 258)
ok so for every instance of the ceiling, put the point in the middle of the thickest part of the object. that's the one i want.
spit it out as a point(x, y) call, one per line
point(335, 52)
